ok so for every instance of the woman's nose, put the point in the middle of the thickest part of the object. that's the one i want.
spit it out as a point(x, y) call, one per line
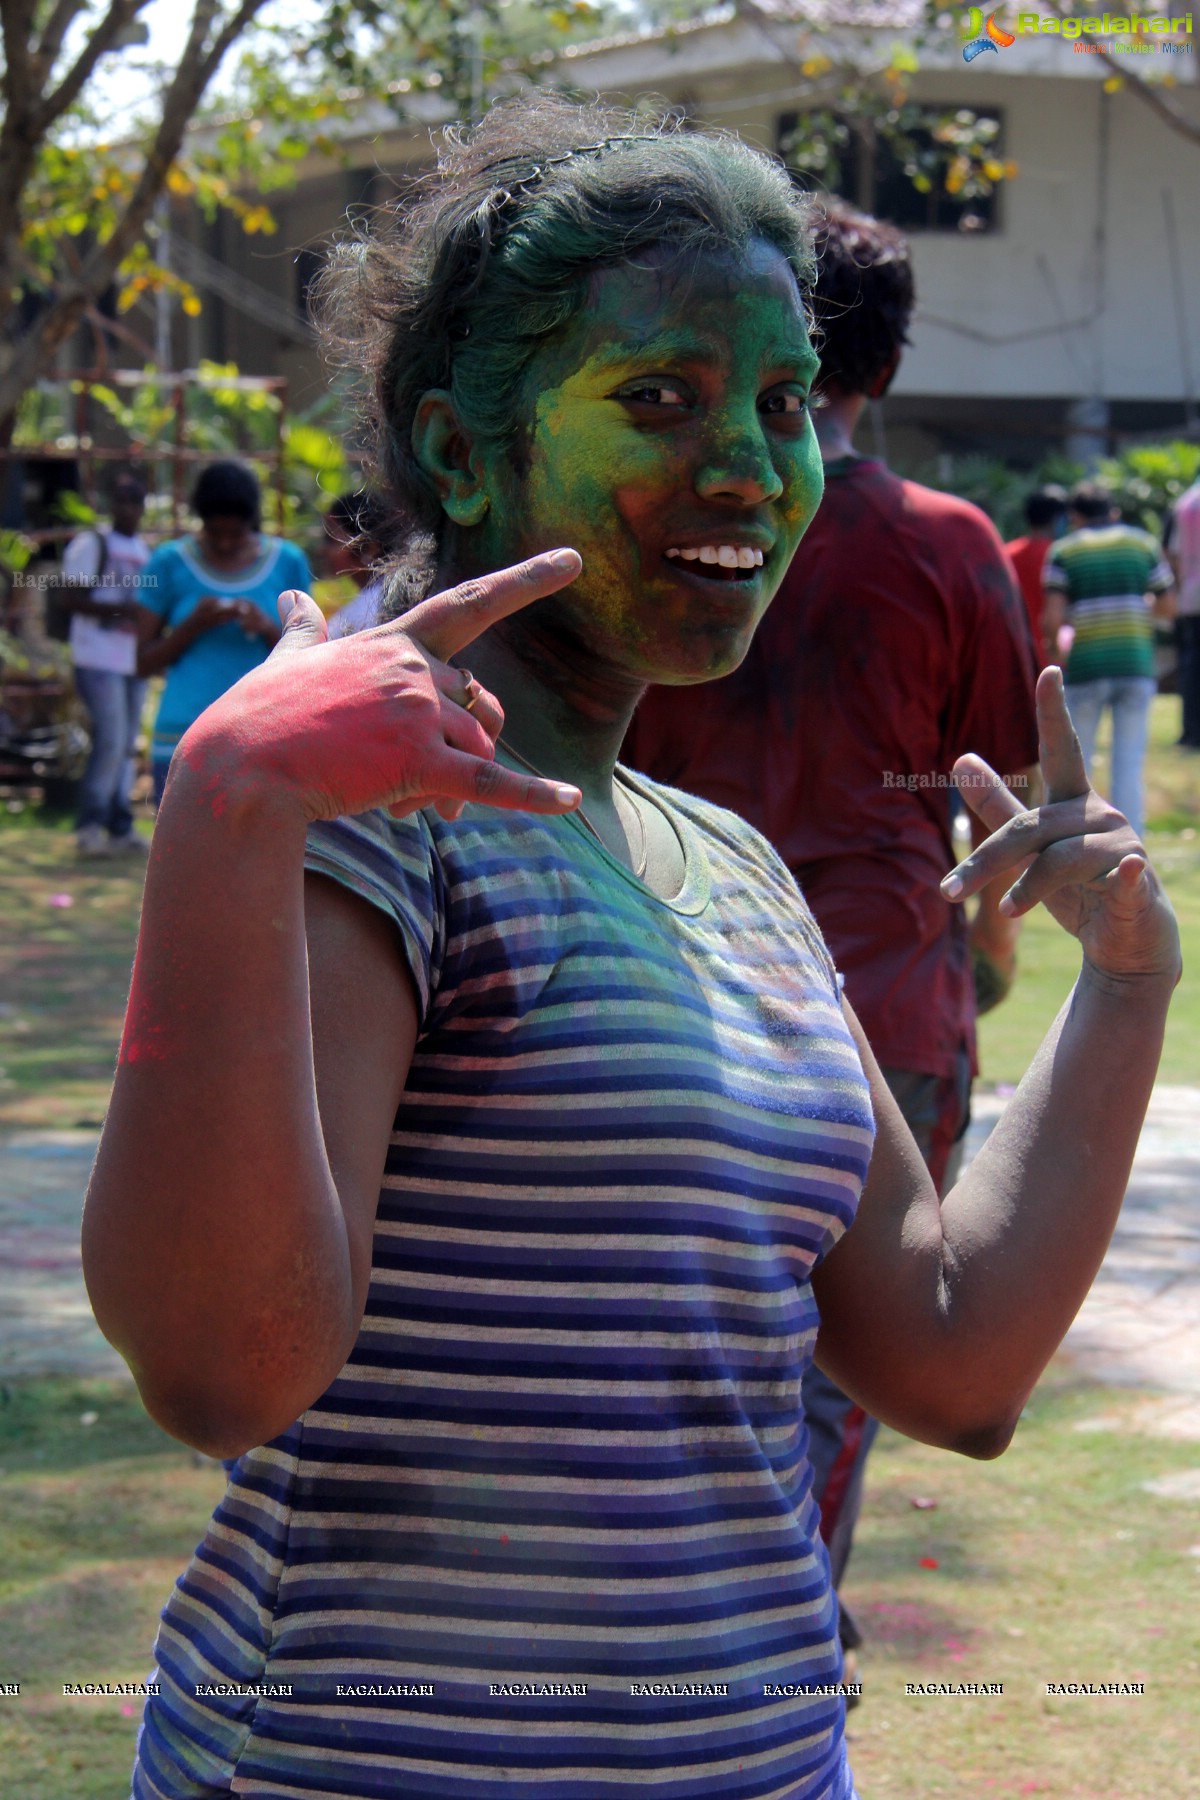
point(736, 462)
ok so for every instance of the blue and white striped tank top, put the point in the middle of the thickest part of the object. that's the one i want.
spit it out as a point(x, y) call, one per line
point(550, 1532)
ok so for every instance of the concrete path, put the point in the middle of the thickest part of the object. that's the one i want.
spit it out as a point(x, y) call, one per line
point(46, 1324)
point(1140, 1326)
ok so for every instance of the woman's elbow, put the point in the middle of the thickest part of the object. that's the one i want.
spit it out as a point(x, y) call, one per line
point(215, 1424)
point(984, 1442)
point(981, 1432)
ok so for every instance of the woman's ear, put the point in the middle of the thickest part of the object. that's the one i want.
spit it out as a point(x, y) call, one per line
point(443, 449)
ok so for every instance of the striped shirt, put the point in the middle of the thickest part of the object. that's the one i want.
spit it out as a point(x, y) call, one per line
point(1106, 571)
point(551, 1532)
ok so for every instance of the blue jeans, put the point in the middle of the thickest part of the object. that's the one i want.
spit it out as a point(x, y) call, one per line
point(1187, 637)
point(114, 703)
point(1129, 696)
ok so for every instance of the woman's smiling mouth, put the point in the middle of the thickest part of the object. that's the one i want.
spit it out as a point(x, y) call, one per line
point(720, 562)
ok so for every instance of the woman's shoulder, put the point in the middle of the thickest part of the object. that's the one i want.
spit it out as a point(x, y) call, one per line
point(275, 550)
point(170, 552)
point(748, 875)
point(726, 832)
point(165, 576)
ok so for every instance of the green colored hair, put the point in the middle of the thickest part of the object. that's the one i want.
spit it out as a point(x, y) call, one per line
point(487, 258)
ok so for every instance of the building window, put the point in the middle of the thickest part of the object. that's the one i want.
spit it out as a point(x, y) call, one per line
point(935, 168)
point(308, 263)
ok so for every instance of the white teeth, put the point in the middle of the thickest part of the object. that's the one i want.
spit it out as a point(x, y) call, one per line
point(727, 556)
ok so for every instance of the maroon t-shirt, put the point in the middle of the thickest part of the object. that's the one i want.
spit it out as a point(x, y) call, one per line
point(897, 641)
point(1028, 558)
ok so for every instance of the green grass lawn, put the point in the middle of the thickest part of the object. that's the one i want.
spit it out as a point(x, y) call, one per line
point(67, 936)
point(96, 1520)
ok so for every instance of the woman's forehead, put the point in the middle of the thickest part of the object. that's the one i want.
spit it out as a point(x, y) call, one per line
point(667, 277)
point(694, 302)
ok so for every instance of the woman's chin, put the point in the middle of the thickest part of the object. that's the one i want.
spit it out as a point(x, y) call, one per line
point(701, 659)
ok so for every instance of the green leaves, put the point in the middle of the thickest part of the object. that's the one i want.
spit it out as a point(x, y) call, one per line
point(1147, 481)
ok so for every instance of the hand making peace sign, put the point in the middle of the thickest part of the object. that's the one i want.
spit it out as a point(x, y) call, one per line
point(1075, 852)
point(381, 718)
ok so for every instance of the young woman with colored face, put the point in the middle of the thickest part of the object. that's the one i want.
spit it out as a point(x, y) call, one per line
point(478, 1188)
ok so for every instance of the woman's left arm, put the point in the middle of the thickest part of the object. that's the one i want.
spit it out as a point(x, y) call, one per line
point(940, 1319)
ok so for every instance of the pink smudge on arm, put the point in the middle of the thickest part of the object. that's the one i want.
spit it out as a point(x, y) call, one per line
point(150, 1045)
point(211, 785)
point(146, 1039)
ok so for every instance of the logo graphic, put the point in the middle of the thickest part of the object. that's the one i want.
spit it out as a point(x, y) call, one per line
point(983, 37)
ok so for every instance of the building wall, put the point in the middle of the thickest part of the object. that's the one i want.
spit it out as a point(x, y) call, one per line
point(1077, 278)
point(1070, 299)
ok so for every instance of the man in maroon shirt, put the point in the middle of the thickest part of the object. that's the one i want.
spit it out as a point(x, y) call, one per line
point(897, 641)
point(1046, 516)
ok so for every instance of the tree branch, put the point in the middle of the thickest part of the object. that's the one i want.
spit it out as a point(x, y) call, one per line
point(30, 117)
point(19, 136)
point(23, 361)
point(196, 69)
point(49, 45)
point(16, 23)
point(1151, 95)
point(120, 14)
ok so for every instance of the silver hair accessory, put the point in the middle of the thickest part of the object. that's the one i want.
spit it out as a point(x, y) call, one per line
point(502, 197)
point(539, 169)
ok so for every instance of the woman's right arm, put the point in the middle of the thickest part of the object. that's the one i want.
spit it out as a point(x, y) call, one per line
point(226, 1243)
point(228, 1222)
point(160, 645)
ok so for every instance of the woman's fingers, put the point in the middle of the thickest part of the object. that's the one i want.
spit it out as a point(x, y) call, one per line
point(460, 688)
point(454, 775)
point(987, 794)
point(1064, 773)
point(446, 623)
point(1071, 862)
point(303, 622)
point(1028, 835)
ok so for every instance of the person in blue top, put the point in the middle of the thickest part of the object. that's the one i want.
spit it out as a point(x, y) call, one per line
point(207, 603)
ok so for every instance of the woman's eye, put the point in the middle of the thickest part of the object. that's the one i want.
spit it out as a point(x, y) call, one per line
point(786, 403)
point(655, 393)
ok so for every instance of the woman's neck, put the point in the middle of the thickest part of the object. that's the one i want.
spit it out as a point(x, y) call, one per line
point(229, 565)
point(561, 714)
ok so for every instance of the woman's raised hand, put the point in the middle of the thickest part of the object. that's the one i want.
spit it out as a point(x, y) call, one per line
point(1075, 852)
point(380, 718)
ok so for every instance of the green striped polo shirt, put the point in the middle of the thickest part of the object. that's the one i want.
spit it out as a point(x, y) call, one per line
point(1105, 572)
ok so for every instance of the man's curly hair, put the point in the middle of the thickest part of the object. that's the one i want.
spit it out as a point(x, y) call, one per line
point(863, 299)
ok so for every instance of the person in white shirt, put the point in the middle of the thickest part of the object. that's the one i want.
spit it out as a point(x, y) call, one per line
point(355, 531)
point(101, 568)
